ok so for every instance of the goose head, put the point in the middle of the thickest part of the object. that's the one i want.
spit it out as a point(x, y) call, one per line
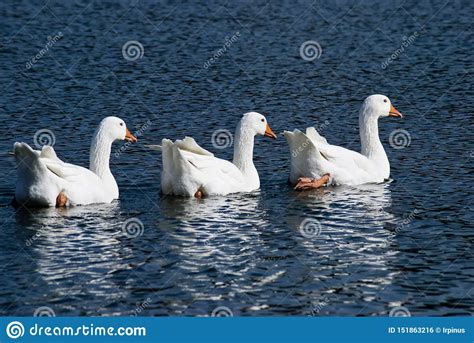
point(256, 124)
point(378, 106)
point(114, 129)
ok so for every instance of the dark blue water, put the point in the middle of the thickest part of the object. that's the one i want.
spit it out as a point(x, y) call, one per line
point(403, 243)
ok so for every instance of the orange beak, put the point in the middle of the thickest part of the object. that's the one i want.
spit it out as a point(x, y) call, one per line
point(129, 137)
point(394, 113)
point(269, 133)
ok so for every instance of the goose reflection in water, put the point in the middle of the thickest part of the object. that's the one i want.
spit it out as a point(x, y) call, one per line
point(214, 226)
point(344, 239)
point(213, 251)
point(218, 237)
point(75, 262)
point(218, 242)
point(331, 216)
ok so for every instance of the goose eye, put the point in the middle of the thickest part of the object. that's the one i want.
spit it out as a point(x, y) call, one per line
point(384, 100)
point(121, 124)
point(263, 120)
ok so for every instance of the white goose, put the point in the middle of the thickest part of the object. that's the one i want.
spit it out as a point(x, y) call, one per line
point(314, 162)
point(189, 170)
point(45, 180)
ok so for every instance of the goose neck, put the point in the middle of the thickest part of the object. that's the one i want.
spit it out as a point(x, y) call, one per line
point(243, 149)
point(371, 147)
point(369, 136)
point(100, 154)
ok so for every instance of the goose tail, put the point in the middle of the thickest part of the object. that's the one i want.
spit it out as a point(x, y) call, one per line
point(30, 170)
point(306, 159)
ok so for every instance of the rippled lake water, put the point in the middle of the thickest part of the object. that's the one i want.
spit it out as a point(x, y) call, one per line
point(406, 243)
